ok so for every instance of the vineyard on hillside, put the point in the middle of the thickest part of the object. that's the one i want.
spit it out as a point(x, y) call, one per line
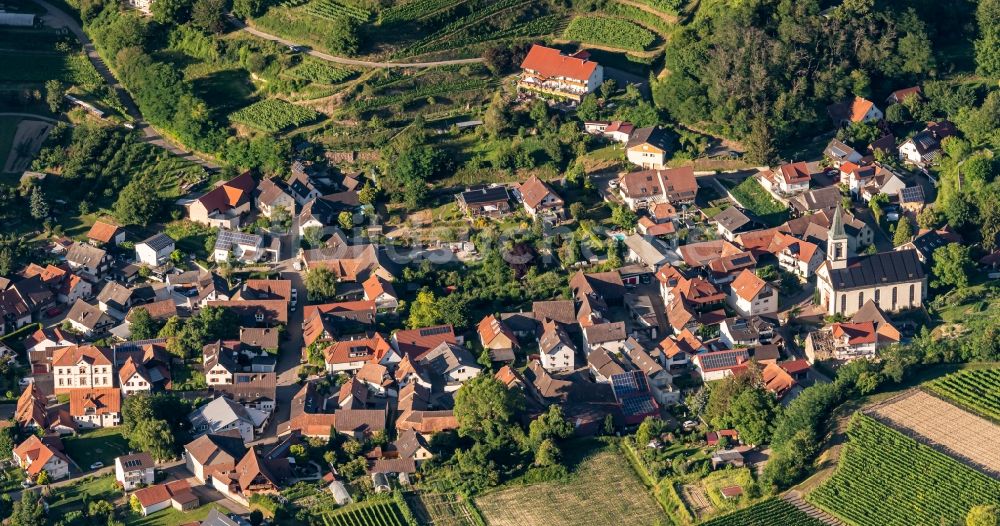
point(333, 10)
point(273, 115)
point(977, 390)
point(613, 32)
point(382, 513)
point(887, 479)
point(321, 72)
point(771, 512)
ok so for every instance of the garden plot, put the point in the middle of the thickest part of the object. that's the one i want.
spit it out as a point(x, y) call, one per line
point(604, 490)
point(945, 427)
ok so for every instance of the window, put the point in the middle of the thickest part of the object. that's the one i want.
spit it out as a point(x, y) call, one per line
point(912, 289)
point(894, 290)
point(861, 299)
point(843, 303)
point(878, 295)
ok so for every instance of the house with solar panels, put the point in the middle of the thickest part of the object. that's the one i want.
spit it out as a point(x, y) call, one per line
point(133, 471)
point(634, 397)
point(716, 365)
point(242, 247)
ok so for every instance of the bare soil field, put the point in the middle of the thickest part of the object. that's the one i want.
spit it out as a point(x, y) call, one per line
point(697, 501)
point(943, 426)
point(604, 490)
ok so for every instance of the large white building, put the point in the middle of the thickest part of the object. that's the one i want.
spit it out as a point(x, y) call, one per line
point(893, 280)
point(548, 71)
point(82, 367)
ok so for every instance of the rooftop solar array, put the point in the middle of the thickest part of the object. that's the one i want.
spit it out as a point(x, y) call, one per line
point(719, 360)
point(228, 238)
point(432, 331)
point(638, 405)
point(628, 383)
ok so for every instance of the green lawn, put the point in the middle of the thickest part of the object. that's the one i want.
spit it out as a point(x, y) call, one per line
point(10, 479)
point(171, 517)
point(760, 203)
point(77, 495)
point(100, 445)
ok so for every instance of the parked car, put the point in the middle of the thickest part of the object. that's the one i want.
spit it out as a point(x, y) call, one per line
point(97, 465)
point(27, 483)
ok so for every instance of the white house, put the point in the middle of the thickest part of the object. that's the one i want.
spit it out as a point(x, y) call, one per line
point(96, 407)
point(154, 251)
point(548, 71)
point(35, 455)
point(452, 363)
point(555, 347)
point(801, 258)
point(717, 365)
point(82, 367)
point(247, 248)
point(647, 147)
point(752, 296)
point(132, 471)
point(223, 414)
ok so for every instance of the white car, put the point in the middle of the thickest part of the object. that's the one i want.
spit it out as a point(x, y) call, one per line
point(97, 465)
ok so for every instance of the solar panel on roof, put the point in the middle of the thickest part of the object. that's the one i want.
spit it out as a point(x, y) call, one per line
point(433, 331)
point(624, 384)
point(638, 405)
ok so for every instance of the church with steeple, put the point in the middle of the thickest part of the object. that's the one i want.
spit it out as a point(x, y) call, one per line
point(894, 280)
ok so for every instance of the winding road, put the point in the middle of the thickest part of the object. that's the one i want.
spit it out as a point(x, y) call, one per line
point(59, 18)
point(239, 24)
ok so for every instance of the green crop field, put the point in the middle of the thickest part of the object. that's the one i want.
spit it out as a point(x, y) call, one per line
point(977, 390)
point(613, 32)
point(604, 489)
point(273, 115)
point(384, 513)
point(771, 512)
point(19, 66)
point(887, 479)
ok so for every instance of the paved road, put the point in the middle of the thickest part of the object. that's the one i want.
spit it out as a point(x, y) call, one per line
point(58, 18)
point(239, 24)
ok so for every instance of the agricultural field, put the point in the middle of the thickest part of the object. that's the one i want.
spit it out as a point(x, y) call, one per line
point(652, 21)
point(334, 11)
point(273, 115)
point(316, 71)
point(612, 32)
point(887, 479)
point(757, 201)
point(603, 489)
point(771, 512)
point(943, 426)
point(378, 513)
point(976, 390)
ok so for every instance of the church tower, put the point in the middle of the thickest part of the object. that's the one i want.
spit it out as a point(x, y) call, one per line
point(836, 242)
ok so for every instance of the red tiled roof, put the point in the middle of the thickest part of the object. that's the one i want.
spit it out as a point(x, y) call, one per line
point(415, 342)
point(74, 354)
point(747, 285)
point(551, 62)
point(856, 333)
point(103, 232)
point(859, 108)
point(100, 401)
point(794, 173)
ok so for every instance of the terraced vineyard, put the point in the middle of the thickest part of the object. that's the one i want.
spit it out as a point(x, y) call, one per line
point(887, 479)
point(333, 10)
point(644, 18)
point(366, 514)
point(320, 72)
point(771, 512)
point(425, 91)
point(483, 32)
point(273, 115)
point(415, 10)
point(613, 32)
point(977, 390)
